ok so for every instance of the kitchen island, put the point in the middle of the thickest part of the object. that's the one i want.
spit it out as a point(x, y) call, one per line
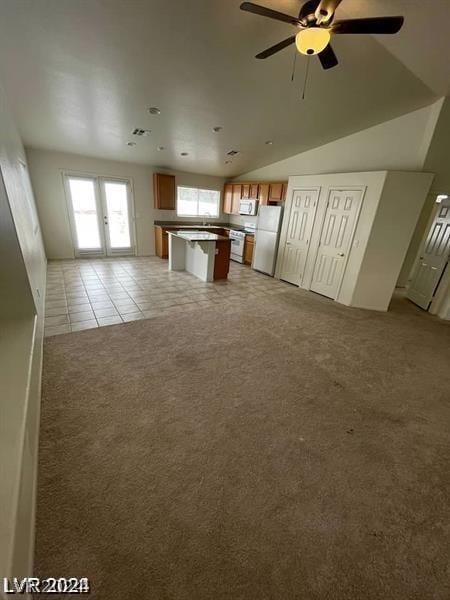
point(206, 255)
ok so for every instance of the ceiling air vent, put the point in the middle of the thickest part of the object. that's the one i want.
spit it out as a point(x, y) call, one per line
point(232, 152)
point(141, 132)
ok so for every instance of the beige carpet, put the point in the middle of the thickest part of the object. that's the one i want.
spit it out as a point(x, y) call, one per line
point(290, 448)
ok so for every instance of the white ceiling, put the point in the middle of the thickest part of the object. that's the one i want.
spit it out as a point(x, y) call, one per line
point(81, 74)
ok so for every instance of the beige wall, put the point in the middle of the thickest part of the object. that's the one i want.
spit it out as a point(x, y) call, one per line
point(22, 279)
point(399, 145)
point(47, 169)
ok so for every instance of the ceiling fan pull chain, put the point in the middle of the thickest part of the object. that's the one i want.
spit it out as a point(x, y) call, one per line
point(294, 64)
point(306, 77)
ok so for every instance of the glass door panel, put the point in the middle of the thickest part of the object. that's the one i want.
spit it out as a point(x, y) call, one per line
point(85, 215)
point(117, 213)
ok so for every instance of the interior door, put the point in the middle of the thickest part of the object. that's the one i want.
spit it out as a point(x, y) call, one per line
point(337, 232)
point(433, 259)
point(300, 224)
point(101, 216)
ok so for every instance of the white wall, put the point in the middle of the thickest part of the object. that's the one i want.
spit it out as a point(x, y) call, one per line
point(402, 200)
point(46, 170)
point(399, 145)
point(22, 283)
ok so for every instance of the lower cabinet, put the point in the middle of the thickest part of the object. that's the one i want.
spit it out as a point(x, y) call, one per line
point(248, 249)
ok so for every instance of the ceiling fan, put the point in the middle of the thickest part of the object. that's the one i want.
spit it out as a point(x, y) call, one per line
point(316, 24)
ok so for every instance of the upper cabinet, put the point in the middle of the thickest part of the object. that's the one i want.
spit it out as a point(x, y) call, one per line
point(254, 189)
point(164, 191)
point(228, 199)
point(275, 192)
point(245, 190)
point(265, 193)
point(237, 195)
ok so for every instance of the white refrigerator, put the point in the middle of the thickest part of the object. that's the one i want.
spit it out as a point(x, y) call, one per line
point(267, 235)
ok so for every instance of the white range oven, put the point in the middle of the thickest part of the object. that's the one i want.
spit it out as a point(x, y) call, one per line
point(237, 245)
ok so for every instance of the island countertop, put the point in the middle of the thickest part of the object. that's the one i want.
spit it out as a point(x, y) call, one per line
point(199, 236)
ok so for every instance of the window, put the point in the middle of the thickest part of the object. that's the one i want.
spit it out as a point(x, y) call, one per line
point(193, 202)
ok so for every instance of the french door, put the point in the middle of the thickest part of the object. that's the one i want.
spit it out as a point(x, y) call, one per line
point(101, 215)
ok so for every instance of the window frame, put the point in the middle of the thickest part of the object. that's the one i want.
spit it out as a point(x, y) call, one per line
point(200, 189)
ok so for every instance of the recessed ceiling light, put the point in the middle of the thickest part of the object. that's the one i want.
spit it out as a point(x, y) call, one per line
point(217, 129)
point(131, 143)
point(269, 142)
point(160, 148)
point(154, 110)
point(185, 154)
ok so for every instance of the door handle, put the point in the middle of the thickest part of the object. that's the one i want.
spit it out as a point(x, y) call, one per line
point(341, 254)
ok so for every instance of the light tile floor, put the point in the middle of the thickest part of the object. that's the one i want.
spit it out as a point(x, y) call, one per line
point(87, 293)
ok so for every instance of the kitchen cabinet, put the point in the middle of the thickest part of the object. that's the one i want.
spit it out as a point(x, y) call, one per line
point(228, 199)
point(263, 195)
point(237, 195)
point(248, 249)
point(275, 192)
point(164, 191)
point(254, 189)
point(161, 242)
point(245, 193)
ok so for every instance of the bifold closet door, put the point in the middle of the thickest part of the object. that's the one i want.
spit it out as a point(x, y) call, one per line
point(298, 237)
point(337, 232)
point(433, 259)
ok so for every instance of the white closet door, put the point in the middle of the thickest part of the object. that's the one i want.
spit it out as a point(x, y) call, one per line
point(433, 259)
point(301, 220)
point(337, 232)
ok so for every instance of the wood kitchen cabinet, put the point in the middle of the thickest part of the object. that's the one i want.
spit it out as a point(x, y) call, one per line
point(228, 199)
point(249, 246)
point(275, 192)
point(254, 190)
point(237, 195)
point(161, 242)
point(263, 195)
point(245, 193)
point(164, 191)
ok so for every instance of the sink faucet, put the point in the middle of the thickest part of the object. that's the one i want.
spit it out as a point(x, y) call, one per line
point(205, 222)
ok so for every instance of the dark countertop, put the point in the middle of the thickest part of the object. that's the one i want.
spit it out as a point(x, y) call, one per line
point(183, 225)
point(200, 236)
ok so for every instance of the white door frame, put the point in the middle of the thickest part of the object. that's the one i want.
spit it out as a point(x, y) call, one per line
point(105, 250)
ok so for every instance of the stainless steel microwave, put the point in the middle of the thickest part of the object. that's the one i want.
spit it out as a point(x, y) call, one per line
point(248, 207)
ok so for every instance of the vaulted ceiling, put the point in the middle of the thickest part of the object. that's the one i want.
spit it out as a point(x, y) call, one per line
point(80, 76)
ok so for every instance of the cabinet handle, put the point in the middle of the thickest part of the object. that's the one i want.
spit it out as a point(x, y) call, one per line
point(341, 254)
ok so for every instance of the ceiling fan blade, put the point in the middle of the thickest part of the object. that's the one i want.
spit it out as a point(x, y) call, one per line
point(328, 58)
point(326, 10)
point(309, 8)
point(273, 49)
point(368, 25)
point(268, 12)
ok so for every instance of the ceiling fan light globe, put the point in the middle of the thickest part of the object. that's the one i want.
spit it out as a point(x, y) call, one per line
point(312, 40)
